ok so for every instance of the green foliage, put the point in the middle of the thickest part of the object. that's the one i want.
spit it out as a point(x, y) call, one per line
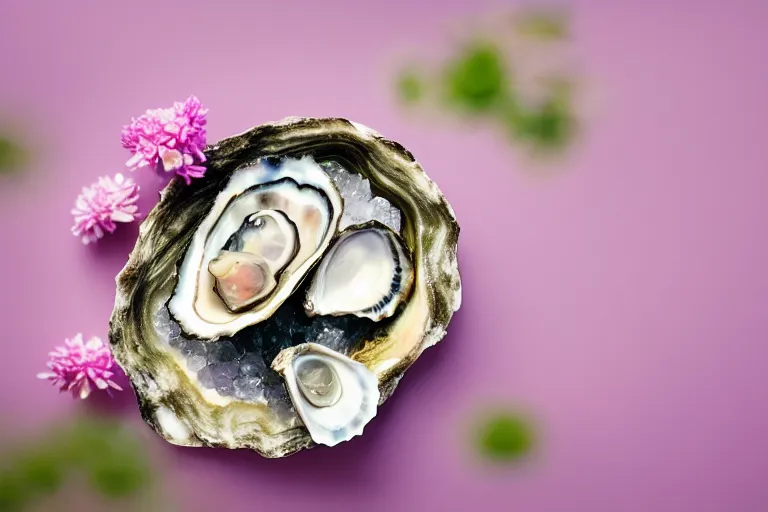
point(41, 472)
point(110, 457)
point(114, 461)
point(546, 26)
point(410, 87)
point(13, 493)
point(116, 479)
point(549, 126)
point(504, 437)
point(477, 80)
point(12, 156)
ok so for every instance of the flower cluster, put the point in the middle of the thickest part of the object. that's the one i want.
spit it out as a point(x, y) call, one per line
point(169, 139)
point(166, 140)
point(80, 365)
point(99, 207)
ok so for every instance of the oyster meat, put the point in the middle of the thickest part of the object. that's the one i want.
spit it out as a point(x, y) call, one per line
point(275, 303)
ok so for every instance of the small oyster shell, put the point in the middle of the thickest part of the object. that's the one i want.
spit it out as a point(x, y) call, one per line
point(349, 392)
point(366, 273)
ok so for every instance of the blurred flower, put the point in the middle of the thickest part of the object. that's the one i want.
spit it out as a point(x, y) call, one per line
point(104, 203)
point(169, 139)
point(79, 365)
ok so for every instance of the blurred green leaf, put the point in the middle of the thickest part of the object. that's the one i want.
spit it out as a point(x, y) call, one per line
point(41, 472)
point(547, 26)
point(86, 443)
point(110, 457)
point(13, 493)
point(550, 126)
point(12, 155)
point(117, 479)
point(504, 437)
point(477, 80)
point(410, 87)
point(114, 460)
point(29, 474)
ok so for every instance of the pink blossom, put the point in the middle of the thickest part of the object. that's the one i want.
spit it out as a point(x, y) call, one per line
point(169, 139)
point(79, 365)
point(100, 206)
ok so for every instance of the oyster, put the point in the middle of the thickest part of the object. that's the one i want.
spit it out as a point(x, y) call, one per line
point(275, 303)
point(298, 207)
point(366, 273)
point(334, 395)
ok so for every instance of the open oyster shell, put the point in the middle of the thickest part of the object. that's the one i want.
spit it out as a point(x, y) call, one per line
point(168, 368)
point(308, 203)
point(369, 254)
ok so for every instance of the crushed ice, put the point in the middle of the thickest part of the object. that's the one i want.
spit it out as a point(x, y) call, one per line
point(360, 205)
point(239, 366)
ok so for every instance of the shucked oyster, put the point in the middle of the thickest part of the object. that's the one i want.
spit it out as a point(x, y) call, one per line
point(263, 233)
point(277, 302)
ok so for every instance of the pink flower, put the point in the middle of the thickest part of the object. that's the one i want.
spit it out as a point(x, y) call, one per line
point(169, 139)
point(80, 365)
point(101, 205)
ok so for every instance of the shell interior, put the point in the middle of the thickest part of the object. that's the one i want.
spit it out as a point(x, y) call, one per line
point(270, 234)
point(304, 193)
point(366, 273)
point(356, 397)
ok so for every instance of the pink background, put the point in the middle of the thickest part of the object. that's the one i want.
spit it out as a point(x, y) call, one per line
point(619, 298)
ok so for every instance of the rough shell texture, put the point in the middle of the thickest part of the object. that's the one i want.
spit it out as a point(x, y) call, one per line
point(169, 398)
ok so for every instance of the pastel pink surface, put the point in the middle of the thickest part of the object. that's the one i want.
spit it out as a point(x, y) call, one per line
point(620, 299)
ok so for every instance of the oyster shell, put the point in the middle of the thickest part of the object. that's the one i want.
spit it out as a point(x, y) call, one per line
point(334, 395)
point(203, 383)
point(308, 211)
point(366, 273)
